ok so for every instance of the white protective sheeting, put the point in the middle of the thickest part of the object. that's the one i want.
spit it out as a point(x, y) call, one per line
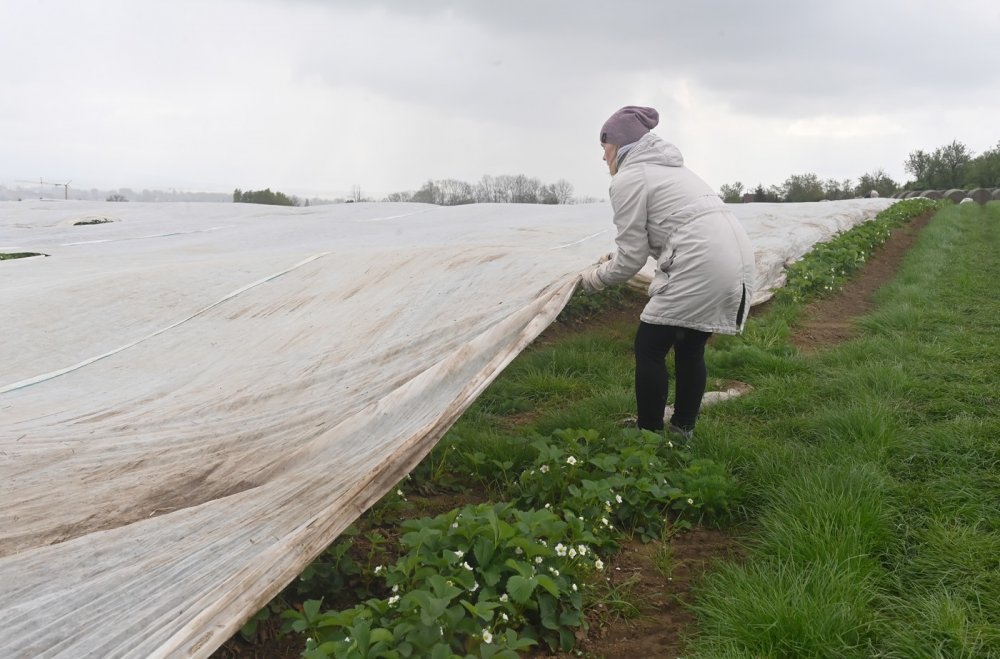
point(195, 399)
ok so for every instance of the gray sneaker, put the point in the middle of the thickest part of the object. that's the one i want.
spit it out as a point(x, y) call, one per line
point(680, 433)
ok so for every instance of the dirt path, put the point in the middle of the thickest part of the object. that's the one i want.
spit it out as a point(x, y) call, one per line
point(831, 320)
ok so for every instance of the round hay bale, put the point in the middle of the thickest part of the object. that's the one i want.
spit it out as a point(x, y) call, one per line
point(934, 194)
point(911, 194)
point(996, 194)
point(955, 195)
point(980, 195)
point(967, 200)
point(873, 194)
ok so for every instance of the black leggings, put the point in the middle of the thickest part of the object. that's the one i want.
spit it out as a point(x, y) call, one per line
point(652, 343)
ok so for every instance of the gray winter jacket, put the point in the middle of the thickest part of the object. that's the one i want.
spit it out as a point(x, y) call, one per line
point(704, 260)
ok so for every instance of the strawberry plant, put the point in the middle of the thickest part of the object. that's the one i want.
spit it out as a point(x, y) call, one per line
point(829, 264)
point(628, 483)
point(483, 581)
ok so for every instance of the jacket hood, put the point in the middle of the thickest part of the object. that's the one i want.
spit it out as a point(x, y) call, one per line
point(653, 149)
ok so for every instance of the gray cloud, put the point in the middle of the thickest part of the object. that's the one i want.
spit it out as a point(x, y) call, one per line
point(387, 93)
point(784, 58)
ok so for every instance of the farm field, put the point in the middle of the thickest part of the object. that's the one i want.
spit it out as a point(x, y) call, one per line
point(200, 398)
point(852, 498)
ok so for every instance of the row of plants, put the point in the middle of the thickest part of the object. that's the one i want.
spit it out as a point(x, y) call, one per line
point(829, 265)
point(493, 580)
point(499, 579)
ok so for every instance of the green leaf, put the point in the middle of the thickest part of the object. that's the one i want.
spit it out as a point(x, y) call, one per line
point(548, 584)
point(381, 635)
point(491, 576)
point(566, 639)
point(520, 589)
point(310, 608)
point(441, 651)
point(483, 550)
point(547, 612)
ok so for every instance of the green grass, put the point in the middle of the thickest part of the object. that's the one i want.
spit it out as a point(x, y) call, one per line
point(6, 256)
point(872, 471)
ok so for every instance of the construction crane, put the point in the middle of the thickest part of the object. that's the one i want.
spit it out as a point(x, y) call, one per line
point(42, 183)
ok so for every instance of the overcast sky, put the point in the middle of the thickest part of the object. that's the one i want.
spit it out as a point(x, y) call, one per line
point(313, 97)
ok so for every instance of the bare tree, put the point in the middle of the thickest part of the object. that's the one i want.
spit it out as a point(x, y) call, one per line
point(525, 190)
point(487, 191)
point(454, 192)
point(563, 191)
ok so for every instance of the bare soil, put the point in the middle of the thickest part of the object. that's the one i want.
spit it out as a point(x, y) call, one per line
point(658, 578)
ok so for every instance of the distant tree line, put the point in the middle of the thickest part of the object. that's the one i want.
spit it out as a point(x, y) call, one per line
point(947, 167)
point(809, 187)
point(953, 166)
point(514, 189)
point(264, 196)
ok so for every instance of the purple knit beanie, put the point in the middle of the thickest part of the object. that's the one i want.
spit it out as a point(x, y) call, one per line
point(628, 124)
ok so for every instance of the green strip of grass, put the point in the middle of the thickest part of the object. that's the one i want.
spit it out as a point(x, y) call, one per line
point(6, 256)
point(872, 471)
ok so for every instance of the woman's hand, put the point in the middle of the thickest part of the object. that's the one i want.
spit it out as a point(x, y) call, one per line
point(591, 282)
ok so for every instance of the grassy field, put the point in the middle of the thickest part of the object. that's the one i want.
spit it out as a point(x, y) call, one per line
point(871, 471)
